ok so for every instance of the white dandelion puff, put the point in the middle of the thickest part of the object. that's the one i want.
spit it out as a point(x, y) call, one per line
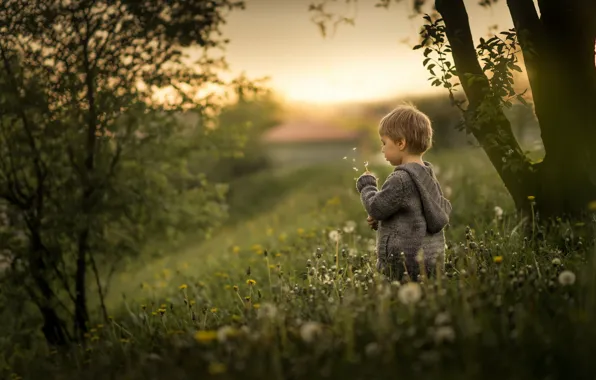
point(350, 226)
point(410, 293)
point(309, 331)
point(334, 236)
point(566, 278)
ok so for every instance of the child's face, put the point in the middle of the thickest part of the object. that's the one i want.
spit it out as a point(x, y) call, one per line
point(394, 151)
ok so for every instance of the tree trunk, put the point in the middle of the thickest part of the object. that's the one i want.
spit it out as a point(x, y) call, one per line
point(558, 53)
point(53, 326)
point(81, 315)
point(495, 133)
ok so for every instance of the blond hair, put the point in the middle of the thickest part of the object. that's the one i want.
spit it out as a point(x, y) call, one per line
point(407, 122)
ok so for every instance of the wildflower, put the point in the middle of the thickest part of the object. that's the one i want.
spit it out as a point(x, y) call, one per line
point(256, 306)
point(235, 287)
point(444, 334)
point(498, 259)
point(227, 287)
point(192, 302)
point(250, 282)
point(350, 226)
point(214, 310)
point(498, 212)
point(183, 286)
point(442, 319)
point(567, 277)
point(309, 331)
point(410, 293)
point(205, 336)
point(556, 261)
point(334, 236)
point(267, 310)
point(531, 197)
point(216, 368)
point(592, 206)
point(124, 340)
point(161, 311)
point(226, 332)
point(300, 231)
point(235, 249)
point(100, 326)
point(372, 349)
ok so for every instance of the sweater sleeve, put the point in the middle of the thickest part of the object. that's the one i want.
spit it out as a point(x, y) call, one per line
point(382, 204)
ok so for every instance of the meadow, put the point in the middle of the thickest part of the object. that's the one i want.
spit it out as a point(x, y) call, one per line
point(287, 290)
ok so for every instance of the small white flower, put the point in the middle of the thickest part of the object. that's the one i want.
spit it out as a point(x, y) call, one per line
point(442, 319)
point(372, 349)
point(350, 226)
point(410, 293)
point(267, 310)
point(567, 277)
point(444, 334)
point(309, 331)
point(498, 212)
point(334, 236)
point(225, 332)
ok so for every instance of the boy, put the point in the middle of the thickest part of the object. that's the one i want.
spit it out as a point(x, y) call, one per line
point(410, 210)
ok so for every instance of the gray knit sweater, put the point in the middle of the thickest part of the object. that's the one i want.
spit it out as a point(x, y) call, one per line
point(412, 213)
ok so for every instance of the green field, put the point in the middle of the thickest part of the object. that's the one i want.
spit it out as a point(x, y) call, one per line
point(264, 297)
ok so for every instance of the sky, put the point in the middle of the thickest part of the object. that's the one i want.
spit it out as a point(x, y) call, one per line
point(372, 60)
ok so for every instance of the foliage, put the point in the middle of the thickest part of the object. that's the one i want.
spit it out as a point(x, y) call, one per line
point(92, 164)
point(275, 304)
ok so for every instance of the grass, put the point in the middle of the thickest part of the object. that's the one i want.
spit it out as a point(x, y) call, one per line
point(264, 297)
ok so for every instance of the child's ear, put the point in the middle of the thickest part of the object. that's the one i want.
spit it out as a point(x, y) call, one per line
point(401, 143)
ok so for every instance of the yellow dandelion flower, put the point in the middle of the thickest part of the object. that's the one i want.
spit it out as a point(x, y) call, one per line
point(236, 318)
point(282, 237)
point(300, 231)
point(251, 282)
point(235, 287)
point(247, 298)
point(531, 197)
point(592, 206)
point(192, 302)
point(256, 306)
point(205, 336)
point(498, 259)
point(214, 310)
point(271, 266)
point(143, 307)
point(183, 286)
point(236, 249)
point(153, 313)
point(217, 368)
point(278, 255)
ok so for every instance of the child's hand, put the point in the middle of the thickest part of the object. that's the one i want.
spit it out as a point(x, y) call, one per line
point(372, 223)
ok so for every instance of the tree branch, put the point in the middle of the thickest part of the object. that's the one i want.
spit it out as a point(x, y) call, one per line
point(493, 133)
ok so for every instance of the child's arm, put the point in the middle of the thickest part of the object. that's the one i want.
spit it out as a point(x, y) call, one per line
point(381, 204)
